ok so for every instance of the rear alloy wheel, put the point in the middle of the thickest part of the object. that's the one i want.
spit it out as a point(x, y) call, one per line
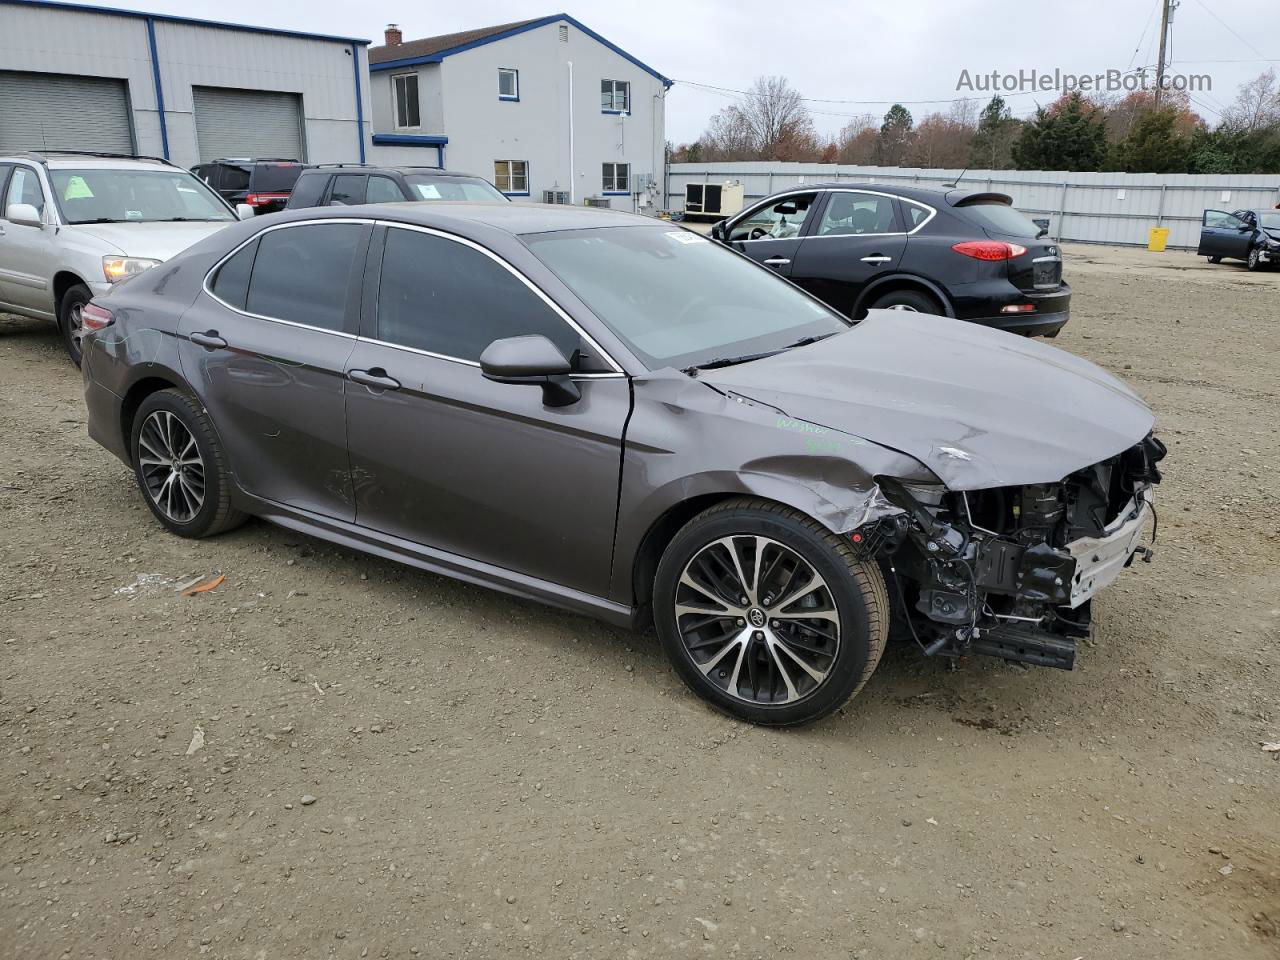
point(768, 615)
point(912, 301)
point(180, 466)
point(71, 319)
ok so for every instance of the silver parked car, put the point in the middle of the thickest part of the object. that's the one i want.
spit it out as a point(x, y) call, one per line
point(75, 223)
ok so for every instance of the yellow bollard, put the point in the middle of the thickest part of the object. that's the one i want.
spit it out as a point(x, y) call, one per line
point(1157, 239)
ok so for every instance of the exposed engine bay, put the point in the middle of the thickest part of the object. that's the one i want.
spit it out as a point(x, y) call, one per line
point(1011, 571)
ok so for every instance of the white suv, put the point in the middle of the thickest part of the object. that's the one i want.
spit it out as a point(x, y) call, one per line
point(75, 223)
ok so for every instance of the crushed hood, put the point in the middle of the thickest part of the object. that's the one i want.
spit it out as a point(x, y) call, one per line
point(155, 241)
point(979, 407)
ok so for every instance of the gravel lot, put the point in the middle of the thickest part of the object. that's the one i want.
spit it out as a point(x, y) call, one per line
point(394, 764)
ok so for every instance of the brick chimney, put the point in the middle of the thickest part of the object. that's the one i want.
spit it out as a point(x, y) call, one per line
point(393, 35)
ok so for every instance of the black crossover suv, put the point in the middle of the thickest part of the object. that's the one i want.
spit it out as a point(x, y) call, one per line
point(957, 253)
point(349, 184)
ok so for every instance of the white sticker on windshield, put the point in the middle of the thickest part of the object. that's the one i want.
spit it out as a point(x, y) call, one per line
point(686, 236)
point(133, 214)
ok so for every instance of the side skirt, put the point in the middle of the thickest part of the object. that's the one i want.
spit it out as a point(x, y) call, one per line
point(364, 540)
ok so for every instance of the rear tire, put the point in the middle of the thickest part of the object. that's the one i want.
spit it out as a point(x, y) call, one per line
point(180, 466)
point(810, 633)
point(915, 301)
point(69, 323)
point(1214, 259)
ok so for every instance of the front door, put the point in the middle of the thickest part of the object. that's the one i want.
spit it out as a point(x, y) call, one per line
point(1224, 234)
point(858, 236)
point(26, 252)
point(267, 354)
point(445, 458)
point(770, 233)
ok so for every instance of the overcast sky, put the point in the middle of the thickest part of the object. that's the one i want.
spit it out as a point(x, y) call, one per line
point(908, 50)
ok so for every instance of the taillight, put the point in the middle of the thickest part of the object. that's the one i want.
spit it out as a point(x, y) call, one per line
point(989, 249)
point(262, 199)
point(253, 200)
point(94, 317)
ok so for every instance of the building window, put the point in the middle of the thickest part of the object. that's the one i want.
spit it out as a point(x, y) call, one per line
point(511, 176)
point(508, 84)
point(617, 178)
point(406, 94)
point(615, 96)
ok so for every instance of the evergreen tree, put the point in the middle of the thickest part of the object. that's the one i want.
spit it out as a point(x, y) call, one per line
point(895, 136)
point(1070, 134)
point(992, 147)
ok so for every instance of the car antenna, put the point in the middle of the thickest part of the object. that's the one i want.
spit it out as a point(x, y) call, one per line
point(956, 182)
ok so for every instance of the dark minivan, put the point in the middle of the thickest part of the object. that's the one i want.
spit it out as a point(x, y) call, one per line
point(264, 185)
point(958, 253)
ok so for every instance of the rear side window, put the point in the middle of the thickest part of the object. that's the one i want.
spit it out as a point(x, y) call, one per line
point(231, 284)
point(383, 190)
point(348, 190)
point(916, 215)
point(308, 191)
point(1000, 218)
point(302, 274)
point(275, 177)
point(444, 297)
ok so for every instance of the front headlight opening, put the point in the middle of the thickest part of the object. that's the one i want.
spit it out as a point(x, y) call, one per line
point(115, 269)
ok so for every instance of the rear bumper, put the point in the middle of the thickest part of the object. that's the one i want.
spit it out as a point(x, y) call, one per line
point(105, 417)
point(1029, 325)
point(1052, 310)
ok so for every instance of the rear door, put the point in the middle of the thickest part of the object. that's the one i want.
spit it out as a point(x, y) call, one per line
point(347, 190)
point(771, 232)
point(1224, 234)
point(266, 354)
point(445, 458)
point(858, 236)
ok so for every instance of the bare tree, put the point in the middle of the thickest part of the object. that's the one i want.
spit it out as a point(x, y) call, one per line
point(770, 123)
point(857, 139)
point(1257, 105)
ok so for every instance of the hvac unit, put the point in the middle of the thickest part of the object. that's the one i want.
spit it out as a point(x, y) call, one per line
point(712, 199)
point(597, 202)
point(555, 196)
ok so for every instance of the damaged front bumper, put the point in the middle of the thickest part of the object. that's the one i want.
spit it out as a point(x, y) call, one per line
point(1011, 572)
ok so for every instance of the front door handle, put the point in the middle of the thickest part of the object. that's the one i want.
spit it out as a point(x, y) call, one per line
point(876, 258)
point(776, 262)
point(375, 377)
point(209, 339)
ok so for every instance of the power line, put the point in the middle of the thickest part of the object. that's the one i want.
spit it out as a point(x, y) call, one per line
point(1229, 29)
point(1145, 28)
point(729, 91)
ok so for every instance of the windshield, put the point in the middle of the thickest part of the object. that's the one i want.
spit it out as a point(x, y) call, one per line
point(1270, 221)
point(678, 299)
point(135, 196)
point(1002, 219)
point(428, 187)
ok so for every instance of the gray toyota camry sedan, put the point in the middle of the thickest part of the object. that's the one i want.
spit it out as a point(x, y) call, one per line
point(612, 414)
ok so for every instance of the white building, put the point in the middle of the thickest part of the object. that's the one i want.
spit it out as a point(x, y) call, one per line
point(546, 108)
point(93, 78)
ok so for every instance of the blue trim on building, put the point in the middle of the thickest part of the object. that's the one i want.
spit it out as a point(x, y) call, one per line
point(191, 21)
point(408, 140)
point(155, 75)
point(616, 113)
point(555, 18)
point(614, 193)
point(355, 65)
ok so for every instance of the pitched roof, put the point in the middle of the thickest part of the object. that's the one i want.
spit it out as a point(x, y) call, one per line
point(435, 49)
point(428, 46)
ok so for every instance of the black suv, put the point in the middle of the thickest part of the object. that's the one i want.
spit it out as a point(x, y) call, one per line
point(263, 184)
point(954, 252)
point(348, 184)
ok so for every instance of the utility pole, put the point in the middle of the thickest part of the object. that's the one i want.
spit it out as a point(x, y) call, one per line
point(1166, 21)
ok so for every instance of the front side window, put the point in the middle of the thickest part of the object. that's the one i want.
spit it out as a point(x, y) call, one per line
point(775, 221)
point(508, 84)
point(678, 299)
point(406, 97)
point(615, 96)
point(511, 176)
point(450, 299)
point(136, 195)
point(24, 187)
point(856, 214)
point(302, 274)
point(617, 178)
point(1223, 220)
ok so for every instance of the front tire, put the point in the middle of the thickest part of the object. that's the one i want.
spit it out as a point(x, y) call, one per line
point(767, 615)
point(180, 466)
point(1214, 259)
point(1254, 263)
point(70, 324)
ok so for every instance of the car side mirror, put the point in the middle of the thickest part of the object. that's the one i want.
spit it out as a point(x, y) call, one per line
point(719, 229)
point(24, 214)
point(244, 211)
point(787, 209)
point(531, 359)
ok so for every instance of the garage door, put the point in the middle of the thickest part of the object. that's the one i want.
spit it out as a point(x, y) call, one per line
point(247, 123)
point(50, 110)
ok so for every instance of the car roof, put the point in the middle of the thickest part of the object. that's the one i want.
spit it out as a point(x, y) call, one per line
point(915, 191)
point(374, 168)
point(459, 215)
point(56, 161)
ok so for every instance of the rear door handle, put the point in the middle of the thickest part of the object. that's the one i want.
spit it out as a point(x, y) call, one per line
point(376, 378)
point(776, 262)
point(209, 339)
point(876, 258)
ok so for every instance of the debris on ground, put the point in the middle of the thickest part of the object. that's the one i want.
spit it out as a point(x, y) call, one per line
point(204, 587)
